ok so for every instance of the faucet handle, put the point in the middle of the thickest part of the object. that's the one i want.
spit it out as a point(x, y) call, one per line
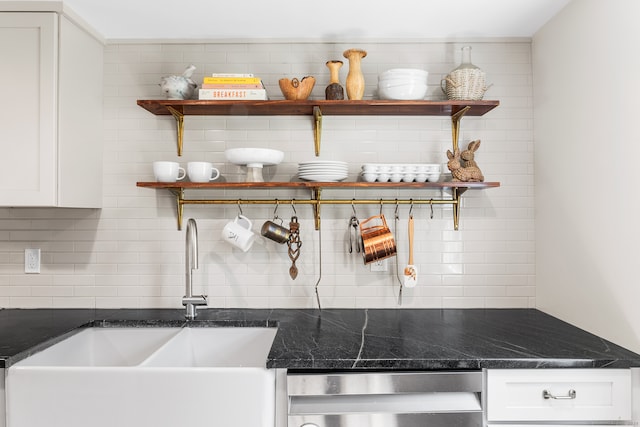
point(195, 300)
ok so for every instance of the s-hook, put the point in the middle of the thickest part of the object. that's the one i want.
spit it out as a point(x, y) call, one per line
point(431, 205)
point(275, 210)
point(240, 207)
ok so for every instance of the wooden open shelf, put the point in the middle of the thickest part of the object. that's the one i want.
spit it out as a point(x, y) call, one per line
point(315, 185)
point(305, 108)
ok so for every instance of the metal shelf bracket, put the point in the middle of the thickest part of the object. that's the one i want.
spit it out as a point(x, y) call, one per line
point(317, 129)
point(179, 126)
point(455, 125)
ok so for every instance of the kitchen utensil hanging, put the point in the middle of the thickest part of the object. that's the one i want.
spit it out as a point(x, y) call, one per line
point(354, 235)
point(377, 240)
point(294, 243)
point(410, 271)
point(274, 231)
point(319, 267)
point(400, 279)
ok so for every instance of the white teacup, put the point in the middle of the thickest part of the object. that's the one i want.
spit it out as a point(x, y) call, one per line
point(202, 172)
point(168, 171)
point(238, 233)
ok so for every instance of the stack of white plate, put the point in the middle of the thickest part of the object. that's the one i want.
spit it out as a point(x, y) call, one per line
point(322, 170)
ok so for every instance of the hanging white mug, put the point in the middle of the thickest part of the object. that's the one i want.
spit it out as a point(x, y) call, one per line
point(238, 233)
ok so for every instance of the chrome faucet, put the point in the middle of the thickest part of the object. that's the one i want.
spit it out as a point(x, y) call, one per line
point(189, 300)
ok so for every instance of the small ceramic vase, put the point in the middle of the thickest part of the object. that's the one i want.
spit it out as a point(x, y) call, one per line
point(334, 90)
point(355, 78)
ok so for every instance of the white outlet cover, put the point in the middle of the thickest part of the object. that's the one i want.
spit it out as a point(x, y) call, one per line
point(32, 261)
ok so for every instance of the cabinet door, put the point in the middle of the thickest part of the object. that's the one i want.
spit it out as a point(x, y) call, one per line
point(28, 81)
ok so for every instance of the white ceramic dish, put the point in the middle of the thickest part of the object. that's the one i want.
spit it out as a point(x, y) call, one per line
point(323, 177)
point(254, 157)
point(410, 91)
point(405, 176)
point(404, 72)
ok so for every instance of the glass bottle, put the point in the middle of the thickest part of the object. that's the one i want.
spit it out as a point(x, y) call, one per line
point(466, 63)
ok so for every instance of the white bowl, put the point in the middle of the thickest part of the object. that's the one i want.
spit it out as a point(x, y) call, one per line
point(404, 73)
point(254, 157)
point(403, 91)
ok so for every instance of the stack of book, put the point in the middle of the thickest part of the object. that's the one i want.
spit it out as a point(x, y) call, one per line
point(232, 87)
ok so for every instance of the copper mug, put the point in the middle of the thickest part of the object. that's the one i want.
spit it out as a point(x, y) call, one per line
point(377, 240)
point(275, 232)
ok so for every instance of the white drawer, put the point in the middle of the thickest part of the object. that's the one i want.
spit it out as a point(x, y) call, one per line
point(580, 395)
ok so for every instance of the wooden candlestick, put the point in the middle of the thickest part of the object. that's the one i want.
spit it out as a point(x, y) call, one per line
point(334, 90)
point(355, 78)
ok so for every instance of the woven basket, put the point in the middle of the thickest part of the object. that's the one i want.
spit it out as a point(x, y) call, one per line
point(464, 84)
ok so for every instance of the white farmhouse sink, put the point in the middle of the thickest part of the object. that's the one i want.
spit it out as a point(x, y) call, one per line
point(103, 347)
point(105, 377)
point(215, 347)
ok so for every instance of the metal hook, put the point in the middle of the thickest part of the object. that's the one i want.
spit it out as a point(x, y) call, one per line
point(275, 211)
point(411, 207)
point(353, 207)
point(293, 206)
point(240, 207)
point(431, 204)
point(397, 212)
point(380, 207)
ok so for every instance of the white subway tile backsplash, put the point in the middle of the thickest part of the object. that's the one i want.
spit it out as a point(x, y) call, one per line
point(130, 253)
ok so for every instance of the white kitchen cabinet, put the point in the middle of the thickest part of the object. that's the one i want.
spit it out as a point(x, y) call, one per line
point(51, 117)
point(519, 396)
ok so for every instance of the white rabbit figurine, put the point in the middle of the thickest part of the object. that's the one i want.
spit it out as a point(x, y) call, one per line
point(179, 87)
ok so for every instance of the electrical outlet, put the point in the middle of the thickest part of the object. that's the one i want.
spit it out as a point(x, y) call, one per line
point(380, 265)
point(32, 261)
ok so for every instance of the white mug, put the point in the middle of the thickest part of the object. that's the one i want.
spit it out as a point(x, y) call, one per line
point(168, 171)
point(202, 172)
point(238, 233)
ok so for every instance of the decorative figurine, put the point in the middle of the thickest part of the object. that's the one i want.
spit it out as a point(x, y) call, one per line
point(462, 173)
point(179, 87)
point(468, 154)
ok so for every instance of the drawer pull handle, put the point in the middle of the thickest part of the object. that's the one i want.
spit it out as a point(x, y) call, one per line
point(547, 395)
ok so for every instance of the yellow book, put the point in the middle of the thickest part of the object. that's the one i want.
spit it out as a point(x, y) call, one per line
point(231, 80)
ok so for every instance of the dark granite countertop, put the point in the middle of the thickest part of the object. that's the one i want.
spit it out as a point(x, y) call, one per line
point(360, 339)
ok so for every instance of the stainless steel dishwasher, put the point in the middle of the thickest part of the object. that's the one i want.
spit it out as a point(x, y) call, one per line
point(389, 399)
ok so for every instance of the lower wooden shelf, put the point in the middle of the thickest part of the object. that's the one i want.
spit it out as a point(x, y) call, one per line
point(457, 189)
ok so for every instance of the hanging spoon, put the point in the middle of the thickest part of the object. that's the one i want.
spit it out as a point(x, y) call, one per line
point(410, 271)
point(294, 244)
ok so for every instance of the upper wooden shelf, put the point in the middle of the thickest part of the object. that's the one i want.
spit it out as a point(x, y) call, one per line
point(317, 185)
point(306, 108)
